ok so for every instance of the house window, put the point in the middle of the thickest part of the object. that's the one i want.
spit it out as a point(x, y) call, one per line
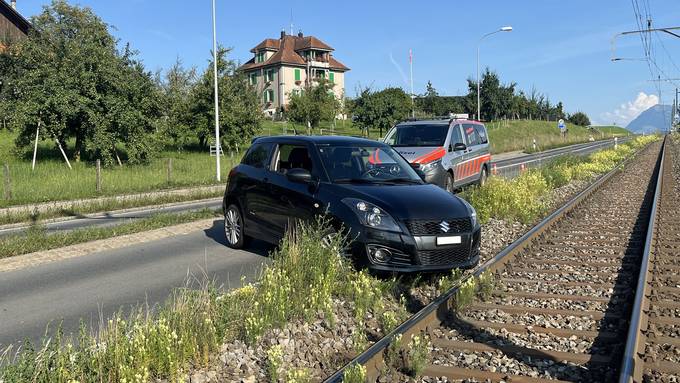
point(331, 77)
point(320, 74)
point(268, 95)
point(270, 75)
point(260, 57)
point(297, 75)
point(253, 79)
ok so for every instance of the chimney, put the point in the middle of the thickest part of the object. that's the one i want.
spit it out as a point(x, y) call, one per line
point(14, 4)
point(283, 33)
point(300, 33)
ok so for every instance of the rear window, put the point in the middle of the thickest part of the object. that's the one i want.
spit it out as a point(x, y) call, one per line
point(418, 135)
point(471, 134)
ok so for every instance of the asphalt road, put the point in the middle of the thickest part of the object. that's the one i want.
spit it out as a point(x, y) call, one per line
point(98, 285)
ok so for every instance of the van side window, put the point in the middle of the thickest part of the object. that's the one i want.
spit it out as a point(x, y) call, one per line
point(481, 132)
point(258, 155)
point(456, 137)
point(293, 157)
point(471, 134)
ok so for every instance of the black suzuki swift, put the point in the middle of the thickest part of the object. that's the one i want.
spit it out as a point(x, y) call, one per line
point(396, 222)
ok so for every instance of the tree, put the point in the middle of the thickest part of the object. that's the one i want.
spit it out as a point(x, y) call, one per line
point(177, 86)
point(315, 103)
point(430, 100)
point(381, 109)
point(71, 78)
point(240, 113)
point(580, 119)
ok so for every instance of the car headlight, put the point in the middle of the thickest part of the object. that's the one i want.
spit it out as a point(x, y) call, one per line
point(371, 215)
point(472, 211)
point(430, 165)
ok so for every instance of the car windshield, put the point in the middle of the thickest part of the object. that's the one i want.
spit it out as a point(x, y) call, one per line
point(366, 164)
point(418, 135)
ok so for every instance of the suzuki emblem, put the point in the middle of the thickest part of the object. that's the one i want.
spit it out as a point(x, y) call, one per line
point(444, 226)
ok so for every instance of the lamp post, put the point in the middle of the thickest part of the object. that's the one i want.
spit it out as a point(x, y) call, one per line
point(502, 29)
point(218, 145)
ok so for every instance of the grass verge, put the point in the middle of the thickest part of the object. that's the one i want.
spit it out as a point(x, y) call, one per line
point(184, 331)
point(78, 209)
point(523, 198)
point(37, 239)
point(508, 136)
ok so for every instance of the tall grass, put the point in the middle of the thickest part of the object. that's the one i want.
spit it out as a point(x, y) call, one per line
point(52, 180)
point(512, 135)
point(521, 198)
point(190, 326)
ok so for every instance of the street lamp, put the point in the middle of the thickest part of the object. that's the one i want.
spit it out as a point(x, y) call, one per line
point(502, 29)
point(218, 145)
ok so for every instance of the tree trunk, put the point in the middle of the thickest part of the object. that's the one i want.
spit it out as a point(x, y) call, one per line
point(79, 148)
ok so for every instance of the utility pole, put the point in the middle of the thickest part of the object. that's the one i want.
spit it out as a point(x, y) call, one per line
point(218, 146)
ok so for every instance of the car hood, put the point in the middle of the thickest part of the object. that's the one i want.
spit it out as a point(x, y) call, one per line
point(419, 154)
point(407, 202)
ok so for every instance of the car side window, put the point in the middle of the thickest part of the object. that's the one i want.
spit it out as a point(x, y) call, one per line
point(258, 155)
point(456, 136)
point(293, 157)
point(481, 132)
point(471, 134)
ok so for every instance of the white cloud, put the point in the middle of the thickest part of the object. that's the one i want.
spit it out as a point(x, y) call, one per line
point(627, 111)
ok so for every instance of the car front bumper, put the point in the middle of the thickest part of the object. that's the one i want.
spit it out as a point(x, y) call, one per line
point(415, 253)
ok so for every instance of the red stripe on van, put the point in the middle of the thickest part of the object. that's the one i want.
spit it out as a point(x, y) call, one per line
point(431, 156)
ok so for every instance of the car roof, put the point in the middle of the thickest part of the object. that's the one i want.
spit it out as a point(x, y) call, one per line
point(320, 140)
point(439, 122)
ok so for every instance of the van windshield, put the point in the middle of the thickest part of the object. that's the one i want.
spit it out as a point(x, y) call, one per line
point(418, 135)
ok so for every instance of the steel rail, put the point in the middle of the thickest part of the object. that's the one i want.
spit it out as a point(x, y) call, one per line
point(632, 364)
point(437, 310)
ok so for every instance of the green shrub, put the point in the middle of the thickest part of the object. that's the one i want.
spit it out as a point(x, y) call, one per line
point(465, 294)
point(274, 362)
point(486, 282)
point(298, 375)
point(418, 355)
point(355, 373)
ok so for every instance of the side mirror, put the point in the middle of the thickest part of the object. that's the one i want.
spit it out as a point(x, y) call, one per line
point(415, 165)
point(299, 175)
point(459, 146)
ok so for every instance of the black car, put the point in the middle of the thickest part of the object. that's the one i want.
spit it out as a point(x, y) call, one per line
point(396, 222)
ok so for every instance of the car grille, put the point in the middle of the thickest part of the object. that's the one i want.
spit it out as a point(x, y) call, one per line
point(456, 225)
point(446, 256)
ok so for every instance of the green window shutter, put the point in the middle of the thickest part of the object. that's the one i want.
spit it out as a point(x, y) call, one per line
point(297, 75)
point(331, 77)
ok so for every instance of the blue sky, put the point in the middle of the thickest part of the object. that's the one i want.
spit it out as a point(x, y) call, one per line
point(562, 48)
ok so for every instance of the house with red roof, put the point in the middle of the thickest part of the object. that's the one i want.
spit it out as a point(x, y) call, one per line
point(282, 67)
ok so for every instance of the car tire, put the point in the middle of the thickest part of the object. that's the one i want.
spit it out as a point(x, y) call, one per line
point(449, 183)
point(483, 176)
point(233, 228)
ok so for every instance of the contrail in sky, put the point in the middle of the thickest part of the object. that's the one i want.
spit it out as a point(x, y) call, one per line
point(401, 71)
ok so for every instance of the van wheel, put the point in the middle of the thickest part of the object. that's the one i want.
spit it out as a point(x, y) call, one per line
point(233, 228)
point(483, 176)
point(449, 183)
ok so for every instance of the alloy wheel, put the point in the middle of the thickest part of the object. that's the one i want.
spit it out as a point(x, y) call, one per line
point(232, 226)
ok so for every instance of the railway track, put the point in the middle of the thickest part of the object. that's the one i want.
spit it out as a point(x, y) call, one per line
point(563, 295)
point(653, 347)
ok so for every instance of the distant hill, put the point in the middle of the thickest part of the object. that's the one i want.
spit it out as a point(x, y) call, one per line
point(656, 118)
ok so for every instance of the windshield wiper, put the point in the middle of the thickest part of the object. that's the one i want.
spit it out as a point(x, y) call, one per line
point(353, 181)
point(401, 180)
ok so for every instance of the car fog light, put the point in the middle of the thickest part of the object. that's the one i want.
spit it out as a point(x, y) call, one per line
point(379, 254)
point(382, 255)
